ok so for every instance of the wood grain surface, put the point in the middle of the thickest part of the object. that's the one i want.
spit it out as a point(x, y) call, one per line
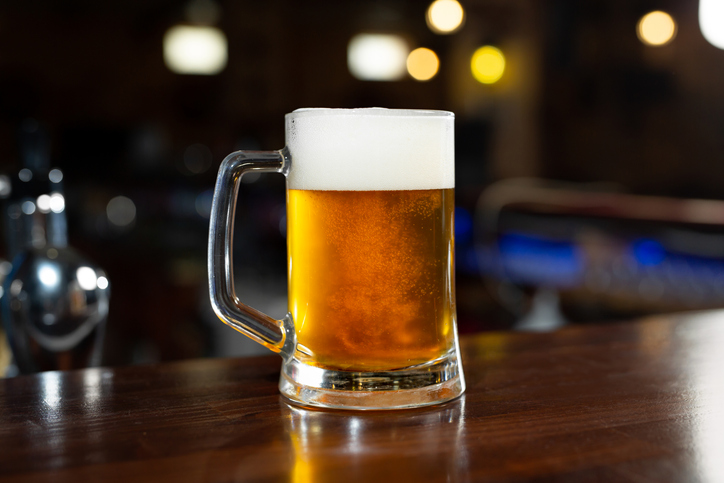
point(639, 401)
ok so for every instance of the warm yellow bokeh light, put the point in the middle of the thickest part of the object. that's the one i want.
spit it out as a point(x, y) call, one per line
point(488, 64)
point(656, 28)
point(422, 64)
point(445, 16)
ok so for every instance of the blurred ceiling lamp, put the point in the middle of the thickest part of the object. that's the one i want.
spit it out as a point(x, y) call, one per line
point(422, 64)
point(445, 16)
point(377, 57)
point(195, 49)
point(487, 64)
point(711, 21)
point(656, 28)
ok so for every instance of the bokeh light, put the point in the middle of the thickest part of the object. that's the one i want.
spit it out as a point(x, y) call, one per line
point(43, 203)
point(25, 175)
point(87, 278)
point(711, 21)
point(197, 158)
point(203, 203)
point(5, 186)
point(48, 275)
point(422, 64)
point(121, 211)
point(57, 202)
point(195, 50)
point(102, 283)
point(377, 57)
point(55, 175)
point(488, 64)
point(656, 28)
point(445, 16)
point(28, 207)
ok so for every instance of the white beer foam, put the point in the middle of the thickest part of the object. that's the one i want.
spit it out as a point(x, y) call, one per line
point(370, 149)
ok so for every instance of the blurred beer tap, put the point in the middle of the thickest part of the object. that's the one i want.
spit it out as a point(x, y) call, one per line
point(54, 301)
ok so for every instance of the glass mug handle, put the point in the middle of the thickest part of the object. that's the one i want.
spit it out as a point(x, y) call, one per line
point(277, 335)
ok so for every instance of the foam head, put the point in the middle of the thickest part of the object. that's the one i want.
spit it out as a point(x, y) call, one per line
point(370, 149)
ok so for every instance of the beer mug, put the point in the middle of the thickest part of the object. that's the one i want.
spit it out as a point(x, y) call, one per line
point(370, 252)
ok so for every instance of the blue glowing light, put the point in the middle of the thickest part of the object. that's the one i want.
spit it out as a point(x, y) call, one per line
point(532, 259)
point(463, 225)
point(648, 252)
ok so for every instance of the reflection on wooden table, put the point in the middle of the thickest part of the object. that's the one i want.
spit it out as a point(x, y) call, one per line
point(636, 401)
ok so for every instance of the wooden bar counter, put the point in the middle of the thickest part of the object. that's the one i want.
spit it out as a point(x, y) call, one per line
point(641, 401)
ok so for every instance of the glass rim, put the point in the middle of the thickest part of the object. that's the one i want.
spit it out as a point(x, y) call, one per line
point(368, 111)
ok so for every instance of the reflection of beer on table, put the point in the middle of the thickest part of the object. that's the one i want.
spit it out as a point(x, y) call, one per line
point(370, 243)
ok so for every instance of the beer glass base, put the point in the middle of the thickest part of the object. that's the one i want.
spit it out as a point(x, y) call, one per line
point(424, 385)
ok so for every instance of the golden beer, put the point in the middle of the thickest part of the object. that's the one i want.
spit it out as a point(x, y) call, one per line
point(371, 283)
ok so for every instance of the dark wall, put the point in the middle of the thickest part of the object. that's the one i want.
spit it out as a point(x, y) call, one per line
point(582, 100)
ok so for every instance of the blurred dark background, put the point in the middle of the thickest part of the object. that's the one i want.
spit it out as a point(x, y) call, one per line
point(634, 132)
